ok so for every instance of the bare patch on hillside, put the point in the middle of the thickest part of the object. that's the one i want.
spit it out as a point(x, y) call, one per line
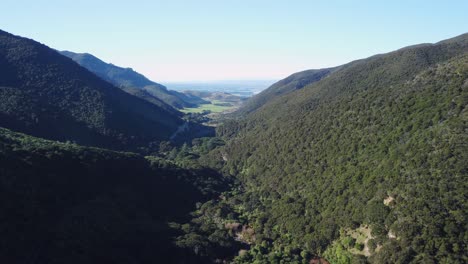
point(389, 201)
point(362, 236)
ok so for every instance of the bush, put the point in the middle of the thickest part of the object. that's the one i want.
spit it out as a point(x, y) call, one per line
point(359, 246)
point(372, 245)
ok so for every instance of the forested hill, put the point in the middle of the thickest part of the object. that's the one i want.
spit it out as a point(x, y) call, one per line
point(63, 203)
point(366, 164)
point(291, 83)
point(133, 82)
point(48, 95)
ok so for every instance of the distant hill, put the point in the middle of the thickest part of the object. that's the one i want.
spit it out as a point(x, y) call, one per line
point(46, 94)
point(128, 79)
point(64, 203)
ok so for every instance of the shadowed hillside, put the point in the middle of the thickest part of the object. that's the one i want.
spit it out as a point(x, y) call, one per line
point(63, 203)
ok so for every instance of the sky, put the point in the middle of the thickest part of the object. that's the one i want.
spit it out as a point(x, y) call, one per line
point(232, 40)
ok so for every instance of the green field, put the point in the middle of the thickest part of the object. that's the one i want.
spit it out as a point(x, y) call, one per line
point(210, 107)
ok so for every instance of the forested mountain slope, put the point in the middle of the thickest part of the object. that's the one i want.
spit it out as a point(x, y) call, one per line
point(48, 95)
point(128, 80)
point(63, 203)
point(379, 146)
point(291, 83)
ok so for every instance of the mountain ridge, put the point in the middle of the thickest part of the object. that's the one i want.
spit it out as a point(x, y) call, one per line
point(128, 79)
point(103, 114)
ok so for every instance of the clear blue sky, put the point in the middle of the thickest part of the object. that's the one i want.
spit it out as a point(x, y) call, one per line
point(221, 39)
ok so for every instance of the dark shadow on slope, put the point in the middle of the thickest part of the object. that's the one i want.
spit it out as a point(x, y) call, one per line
point(61, 203)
